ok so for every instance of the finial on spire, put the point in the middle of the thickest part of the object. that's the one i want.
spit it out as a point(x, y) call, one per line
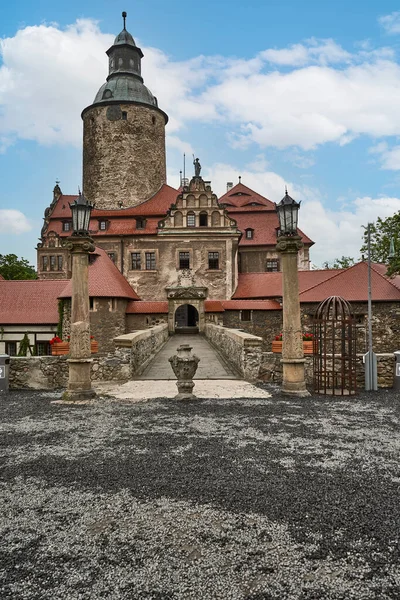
point(240, 179)
point(124, 18)
point(286, 190)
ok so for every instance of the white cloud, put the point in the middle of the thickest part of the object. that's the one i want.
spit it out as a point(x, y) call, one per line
point(391, 22)
point(13, 221)
point(315, 51)
point(389, 157)
point(324, 93)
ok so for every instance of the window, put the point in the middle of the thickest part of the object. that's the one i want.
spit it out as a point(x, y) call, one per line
point(112, 256)
point(59, 263)
point(203, 220)
point(245, 315)
point(43, 349)
point(11, 348)
point(91, 303)
point(272, 265)
point(102, 225)
point(191, 220)
point(213, 260)
point(124, 115)
point(66, 226)
point(184, 260)
point(52, 263)
point(136, 261)
point(249, 234)
point(150, 261)
point(45, 263)
point(140, 223)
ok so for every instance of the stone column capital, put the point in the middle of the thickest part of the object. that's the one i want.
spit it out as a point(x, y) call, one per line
point(289, 244)
point(79, 244)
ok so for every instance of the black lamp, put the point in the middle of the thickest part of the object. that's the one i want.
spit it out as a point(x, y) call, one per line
point(288, 213)
point(81, 210)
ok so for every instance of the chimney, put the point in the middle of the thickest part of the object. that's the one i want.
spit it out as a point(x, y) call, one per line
point(229, 186)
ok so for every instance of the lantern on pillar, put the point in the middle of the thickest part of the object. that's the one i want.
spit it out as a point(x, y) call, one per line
point(288, 213)
point(81, 210)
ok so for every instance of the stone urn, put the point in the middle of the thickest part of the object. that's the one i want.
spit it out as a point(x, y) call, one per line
point(184, 365)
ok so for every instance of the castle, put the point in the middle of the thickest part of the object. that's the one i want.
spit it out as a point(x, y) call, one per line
point(183, 247)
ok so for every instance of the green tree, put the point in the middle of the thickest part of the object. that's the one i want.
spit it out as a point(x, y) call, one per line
point(339, 263)
point(381, 233)
point(12, 267)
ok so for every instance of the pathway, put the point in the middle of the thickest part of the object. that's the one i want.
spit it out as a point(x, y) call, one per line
point(211, 365)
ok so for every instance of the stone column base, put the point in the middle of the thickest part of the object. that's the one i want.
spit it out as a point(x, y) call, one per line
point(79, 382)
point(293, 377)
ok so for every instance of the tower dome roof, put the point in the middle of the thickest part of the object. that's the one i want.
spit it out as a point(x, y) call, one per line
point(125, 88)
point(124, 38)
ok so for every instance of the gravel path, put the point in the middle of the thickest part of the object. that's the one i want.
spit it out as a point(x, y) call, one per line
point(253, 499)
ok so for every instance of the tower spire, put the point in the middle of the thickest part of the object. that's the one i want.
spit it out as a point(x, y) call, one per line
point(124, 18)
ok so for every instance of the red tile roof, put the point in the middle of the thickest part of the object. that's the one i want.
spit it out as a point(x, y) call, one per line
point(352, 285)
point(144, 307)
point(251, 305)
point(264, 224)
point(269, 285)
point(241, 195)
point(105, 280)
point(156, 205)
point(213, 306)
point(30, 302)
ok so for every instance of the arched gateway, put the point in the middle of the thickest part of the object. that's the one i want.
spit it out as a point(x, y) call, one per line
point(186, 308)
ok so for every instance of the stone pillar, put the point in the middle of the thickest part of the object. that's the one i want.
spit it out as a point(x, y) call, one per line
point(292, 343)
point(79, 382)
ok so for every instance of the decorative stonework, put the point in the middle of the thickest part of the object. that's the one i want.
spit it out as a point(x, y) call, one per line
point(184, 365)
point(195, 296)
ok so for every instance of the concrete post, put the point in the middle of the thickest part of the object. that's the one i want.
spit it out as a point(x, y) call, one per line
point(79, 382)
point(292, 336)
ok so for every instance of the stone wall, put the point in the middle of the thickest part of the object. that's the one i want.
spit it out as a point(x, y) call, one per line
point(240, 349)
point(264, 323)
point(144, 321)
point(271, 369)
point(142, 346)
point(107, 321)
point(123, 159)
point(132, 354)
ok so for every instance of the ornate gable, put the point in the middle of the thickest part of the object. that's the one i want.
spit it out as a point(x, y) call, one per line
point(197, 210)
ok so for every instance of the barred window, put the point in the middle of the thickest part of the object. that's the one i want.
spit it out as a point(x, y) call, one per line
point(136, 261)
point(45, 262)
point(150, 261)
point(213, 260)
point(43, 349)
point(52, 263)
point(184, 260)
point(60, 263)
point(272, 265)
point(191, 220)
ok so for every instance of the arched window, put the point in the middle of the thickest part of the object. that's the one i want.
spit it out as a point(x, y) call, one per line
point(203, 219)
point(190, 201)
point(203, 200)
point(191, 219)
point(178, 219)
point(215, 219)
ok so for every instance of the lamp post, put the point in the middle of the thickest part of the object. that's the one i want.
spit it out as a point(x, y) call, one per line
point(80, 244)
point(288, 245)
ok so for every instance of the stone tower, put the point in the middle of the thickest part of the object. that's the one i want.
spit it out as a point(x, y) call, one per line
point(123, 134)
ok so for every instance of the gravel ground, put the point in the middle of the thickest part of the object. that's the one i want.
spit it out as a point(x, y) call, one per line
point(252, 499)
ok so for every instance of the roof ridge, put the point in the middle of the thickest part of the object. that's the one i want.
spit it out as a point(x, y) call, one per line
point(387, 279)
point(340, 271)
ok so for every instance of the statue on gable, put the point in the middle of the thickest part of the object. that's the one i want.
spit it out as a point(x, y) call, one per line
point(197, 167)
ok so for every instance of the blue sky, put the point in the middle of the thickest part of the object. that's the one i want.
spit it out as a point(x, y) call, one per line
point(279, 92)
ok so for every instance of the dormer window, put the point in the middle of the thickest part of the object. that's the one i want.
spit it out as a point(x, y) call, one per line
point(67, 226)
point(103, 225)
point(140, 223)
point(249, 234)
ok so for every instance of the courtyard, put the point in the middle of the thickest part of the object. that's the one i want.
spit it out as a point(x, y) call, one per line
point(257, 498)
